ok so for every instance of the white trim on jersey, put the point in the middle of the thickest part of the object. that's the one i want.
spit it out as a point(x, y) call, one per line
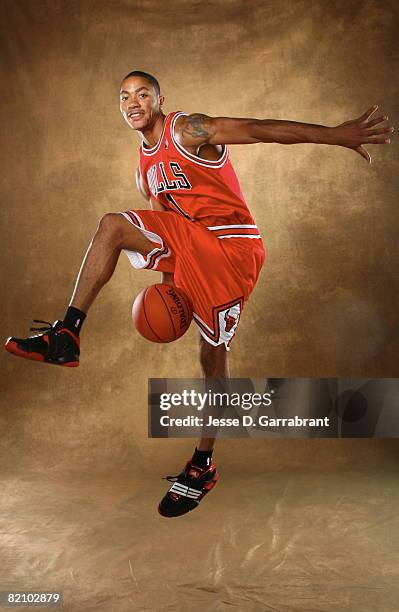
point(240, 236)
point(206, 163)
point(221, 227)
point(148, 152)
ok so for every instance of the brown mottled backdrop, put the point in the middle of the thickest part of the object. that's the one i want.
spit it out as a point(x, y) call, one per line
point(326, 303)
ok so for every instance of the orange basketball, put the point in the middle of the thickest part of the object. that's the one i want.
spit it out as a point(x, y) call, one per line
point(162, 313)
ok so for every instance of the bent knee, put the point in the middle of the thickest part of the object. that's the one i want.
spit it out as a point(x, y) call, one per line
point(115, 228)
point(110, 222)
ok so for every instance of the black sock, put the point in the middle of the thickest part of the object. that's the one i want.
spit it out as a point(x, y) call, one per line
point(73, 320)
point(202, 459)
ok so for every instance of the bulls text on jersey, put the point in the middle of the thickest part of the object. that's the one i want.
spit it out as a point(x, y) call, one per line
point(159, 181)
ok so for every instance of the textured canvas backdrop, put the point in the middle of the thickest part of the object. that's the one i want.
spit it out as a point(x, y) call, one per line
point(326, 302)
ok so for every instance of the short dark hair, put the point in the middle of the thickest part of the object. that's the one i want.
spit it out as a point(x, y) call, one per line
point(151, 79)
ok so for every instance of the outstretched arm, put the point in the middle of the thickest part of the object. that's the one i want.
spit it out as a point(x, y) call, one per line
point(196, 130)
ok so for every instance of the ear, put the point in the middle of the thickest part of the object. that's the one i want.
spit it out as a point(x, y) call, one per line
point(161, 101)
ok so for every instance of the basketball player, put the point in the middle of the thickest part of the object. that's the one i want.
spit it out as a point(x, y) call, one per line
point(199, 234)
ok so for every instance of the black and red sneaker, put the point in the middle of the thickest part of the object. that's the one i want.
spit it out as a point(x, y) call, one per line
point(188, 488)
point(55, 344)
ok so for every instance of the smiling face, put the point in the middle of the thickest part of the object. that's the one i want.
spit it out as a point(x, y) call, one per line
point(140, 103)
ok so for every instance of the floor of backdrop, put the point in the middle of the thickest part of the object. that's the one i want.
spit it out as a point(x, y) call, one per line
point(288, 540)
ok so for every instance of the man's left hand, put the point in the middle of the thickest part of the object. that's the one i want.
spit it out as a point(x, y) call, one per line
point(358, 132)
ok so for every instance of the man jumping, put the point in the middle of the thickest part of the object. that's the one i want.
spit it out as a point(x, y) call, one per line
point(199, 234)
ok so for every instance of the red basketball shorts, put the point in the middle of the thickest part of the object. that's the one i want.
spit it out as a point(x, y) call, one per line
point(216, 271)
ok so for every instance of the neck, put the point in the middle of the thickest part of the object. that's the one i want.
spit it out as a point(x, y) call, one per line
point(152, 134)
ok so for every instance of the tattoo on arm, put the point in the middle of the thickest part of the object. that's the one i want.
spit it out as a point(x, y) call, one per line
point(195, 126)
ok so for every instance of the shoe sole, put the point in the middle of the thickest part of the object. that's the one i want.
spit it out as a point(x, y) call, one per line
point(12, 347)
point(208, 487)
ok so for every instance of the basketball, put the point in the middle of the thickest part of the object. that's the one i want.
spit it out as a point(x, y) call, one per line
point(162, 313)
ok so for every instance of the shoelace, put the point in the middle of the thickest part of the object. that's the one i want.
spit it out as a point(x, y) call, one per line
point(170, 478)
point(48, 324)
point(174, 478)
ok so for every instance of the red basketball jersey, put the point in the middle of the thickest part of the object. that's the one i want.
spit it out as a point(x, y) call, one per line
point(200, 190)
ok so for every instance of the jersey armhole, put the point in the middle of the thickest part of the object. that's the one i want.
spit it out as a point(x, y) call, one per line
point(218, 163)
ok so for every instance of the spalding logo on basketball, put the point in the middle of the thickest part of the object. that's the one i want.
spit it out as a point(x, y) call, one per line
point(162, 313)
